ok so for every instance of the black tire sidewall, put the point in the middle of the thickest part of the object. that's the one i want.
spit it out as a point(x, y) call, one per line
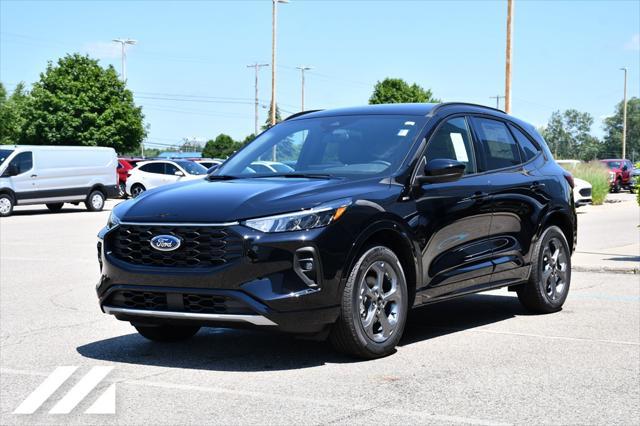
point(90, 205)
point(370, 255)
point(549, 233)
point(133, 192)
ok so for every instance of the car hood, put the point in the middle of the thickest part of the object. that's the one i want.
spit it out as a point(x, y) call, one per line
point(203, 201)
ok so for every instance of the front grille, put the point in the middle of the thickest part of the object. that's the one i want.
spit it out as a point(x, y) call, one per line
point(177, 302)
point(201, 247)
point(585, 192)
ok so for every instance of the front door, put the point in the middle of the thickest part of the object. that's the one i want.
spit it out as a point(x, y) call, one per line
point(455, 218)
point(24, 182)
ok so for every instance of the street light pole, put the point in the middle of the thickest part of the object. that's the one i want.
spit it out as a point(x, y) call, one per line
point(624, 116)
point(274, 25)
point(302, 70)
point(257, 67)
point(123, 42)
point(507, 82)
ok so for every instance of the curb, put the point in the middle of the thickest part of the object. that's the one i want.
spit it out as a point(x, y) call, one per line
point(607, 269)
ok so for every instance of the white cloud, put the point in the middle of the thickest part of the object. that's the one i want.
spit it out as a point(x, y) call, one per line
point(102, 49)
point(633, 43)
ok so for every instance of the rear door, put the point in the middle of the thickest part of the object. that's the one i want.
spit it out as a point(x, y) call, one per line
point(518, 194)
point(455, 217)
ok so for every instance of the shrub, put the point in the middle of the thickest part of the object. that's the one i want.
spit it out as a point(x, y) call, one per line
point(597, 175)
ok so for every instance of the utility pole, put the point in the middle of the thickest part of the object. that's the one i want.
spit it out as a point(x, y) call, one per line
point(274, 26)
point(624, 116)
point(497, 98)
point(302, 69)
point(507, 82)
point(257, 67)
point(123, 58)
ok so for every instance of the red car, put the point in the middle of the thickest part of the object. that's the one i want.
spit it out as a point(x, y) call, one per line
point(124, 165)
point(619, 173)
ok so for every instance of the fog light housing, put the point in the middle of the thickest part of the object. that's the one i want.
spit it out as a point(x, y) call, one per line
point(307, 266)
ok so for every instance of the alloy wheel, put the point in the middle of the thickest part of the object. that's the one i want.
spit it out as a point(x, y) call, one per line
point(554, 269)
point(380, 301)
point(97, 201)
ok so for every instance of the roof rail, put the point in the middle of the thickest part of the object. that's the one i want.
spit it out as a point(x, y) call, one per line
point(298, 114)
point(446, 104)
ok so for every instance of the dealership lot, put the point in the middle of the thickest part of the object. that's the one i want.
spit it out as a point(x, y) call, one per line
point(477, 360)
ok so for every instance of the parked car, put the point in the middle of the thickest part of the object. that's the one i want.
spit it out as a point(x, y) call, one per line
point(151, 174)
point(54, 175)
point(635, 179)
point(582, 189)
point(270, 167)
point(389, 207)
point(209, 163)
point(123, 173)
point(619, 173)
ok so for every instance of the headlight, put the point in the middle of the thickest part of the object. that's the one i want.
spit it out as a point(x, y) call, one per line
point(113, 221)
point(316, 217)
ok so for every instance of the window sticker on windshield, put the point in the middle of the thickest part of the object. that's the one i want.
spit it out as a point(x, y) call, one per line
point(403, 132)
point(409, 123)
point(458, 146)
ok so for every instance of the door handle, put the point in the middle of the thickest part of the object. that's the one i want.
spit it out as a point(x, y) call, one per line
point(537, 186)
point(34, 176)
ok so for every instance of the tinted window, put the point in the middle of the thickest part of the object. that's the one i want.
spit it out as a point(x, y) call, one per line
point(452, 140)
point(170, 169)
point(23, 162)
point(614, 164)
point(528, 149)
point(499, 147)
point(192, 168)
point(153, 168)
point(4, 154)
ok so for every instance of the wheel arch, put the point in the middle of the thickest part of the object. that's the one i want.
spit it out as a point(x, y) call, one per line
point(563, 221)
point(98, 187)
point(10, 193)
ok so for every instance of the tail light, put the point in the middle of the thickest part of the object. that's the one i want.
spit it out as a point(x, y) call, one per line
point(569, 177)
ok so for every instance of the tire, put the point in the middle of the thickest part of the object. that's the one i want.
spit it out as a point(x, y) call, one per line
point(365, 336)
point(137, 189)
point(122, 190)
point(616, 186)
point(540, 294)
point(95, 201)
point(55, 207)
point(167, 333)
point(6, 205)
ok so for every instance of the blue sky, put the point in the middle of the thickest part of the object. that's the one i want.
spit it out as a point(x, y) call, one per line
point(567, 54)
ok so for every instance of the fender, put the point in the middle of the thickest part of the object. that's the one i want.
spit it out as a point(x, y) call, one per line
point(10, 192)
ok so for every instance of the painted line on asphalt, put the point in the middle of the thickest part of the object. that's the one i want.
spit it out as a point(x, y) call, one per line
point(542, 336)
point(279, 398)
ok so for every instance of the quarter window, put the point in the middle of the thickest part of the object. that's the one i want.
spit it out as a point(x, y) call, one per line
point(452, 140)
point(153, 168)
point(500, 149)
point(528, 149)
point(23, 162)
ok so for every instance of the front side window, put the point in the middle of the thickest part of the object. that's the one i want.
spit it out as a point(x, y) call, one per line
point(192, 168)
point(452, 140)
point(499, 148)
point(4, 154)
point(528, 149)
point(23, 162)
point(343, 146)
point(170, 169)
point(157, 168)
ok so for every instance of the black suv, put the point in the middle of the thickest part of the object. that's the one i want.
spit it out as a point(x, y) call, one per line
point(356, 216)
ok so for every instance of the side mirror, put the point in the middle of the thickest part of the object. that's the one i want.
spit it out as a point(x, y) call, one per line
point(178, 173)
point(11, 170)
point(625, 168)
point(440, 170)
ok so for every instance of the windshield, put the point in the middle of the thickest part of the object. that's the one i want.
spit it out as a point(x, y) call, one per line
point(192, 168)
point(4, 154)
point(344, 146)
point(614, 164)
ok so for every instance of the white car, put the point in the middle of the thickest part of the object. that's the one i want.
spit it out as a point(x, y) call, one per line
point(151, 174)
point(582, 188)
point(54, 175)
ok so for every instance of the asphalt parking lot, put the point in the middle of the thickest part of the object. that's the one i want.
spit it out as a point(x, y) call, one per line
point(477, 360)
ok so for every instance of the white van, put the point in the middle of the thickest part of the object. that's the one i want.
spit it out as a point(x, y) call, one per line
point(54, 175)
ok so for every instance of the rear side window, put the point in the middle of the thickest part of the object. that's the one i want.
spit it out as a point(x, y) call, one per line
point(452, 140)
point(153, 168)
point(499, 147)
point(23, 162)
point(528, 148)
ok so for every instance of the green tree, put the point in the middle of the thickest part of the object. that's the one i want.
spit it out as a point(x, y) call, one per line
point(267, 122)
point(248, 139)
point(568, 135)
point(220, 147)
point(396, 90)
point(12, 114)
point(613, 130)
point(77, 102)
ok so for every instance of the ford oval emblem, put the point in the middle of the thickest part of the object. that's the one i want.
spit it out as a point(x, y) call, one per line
point(165, 242)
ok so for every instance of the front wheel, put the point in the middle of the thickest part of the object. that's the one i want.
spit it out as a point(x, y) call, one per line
point(548, 285)
point(95, 201)
point(374, 306)
point(167, 333)
point(616, 186)
point(6, 205)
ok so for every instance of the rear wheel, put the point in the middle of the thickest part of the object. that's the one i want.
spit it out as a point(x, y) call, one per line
point(548, 285)
point(55, 207)
point(95, 201)
point(6, 205)
point(374, 306)
point(137, 189)
point(167, 333)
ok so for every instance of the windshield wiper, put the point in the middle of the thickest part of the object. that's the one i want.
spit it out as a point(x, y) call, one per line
point(297, 175)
